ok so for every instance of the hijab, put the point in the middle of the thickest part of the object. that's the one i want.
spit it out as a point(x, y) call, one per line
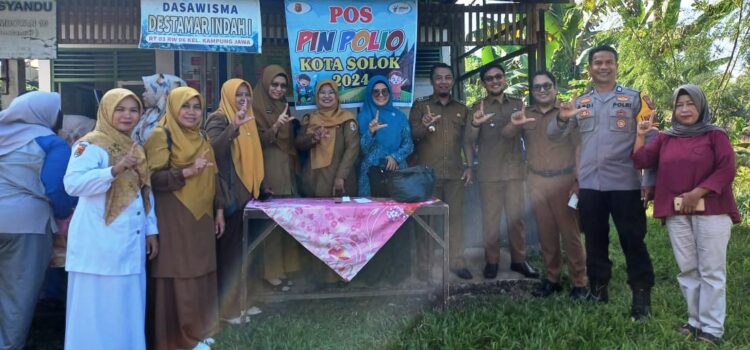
point(130, 182)
point(159, 86)
point(74, 126)
point(267, 109)
point(247, 155)
point(703, 125)
point(188, 144)
point(29, 116)
point(389, 138)
point(321, 155)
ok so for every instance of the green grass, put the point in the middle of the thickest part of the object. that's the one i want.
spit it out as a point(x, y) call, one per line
point(509, 322)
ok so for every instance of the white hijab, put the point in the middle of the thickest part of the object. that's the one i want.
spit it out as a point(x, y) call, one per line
point(29, 116)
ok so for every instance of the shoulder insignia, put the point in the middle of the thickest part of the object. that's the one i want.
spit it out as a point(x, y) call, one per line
point(619, 88)
point(353, 126)
point(422, 99)
point(80, 148)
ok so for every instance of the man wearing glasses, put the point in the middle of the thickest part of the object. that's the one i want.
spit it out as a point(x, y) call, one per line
point(437, 128)
point(501, 171)
point(552, 180)
point(606, 119)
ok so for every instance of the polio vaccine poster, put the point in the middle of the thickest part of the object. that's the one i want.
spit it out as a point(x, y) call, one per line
point(193, 25)
point(351, 42)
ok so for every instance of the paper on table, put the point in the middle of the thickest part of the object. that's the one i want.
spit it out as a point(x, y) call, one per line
point(362, 200)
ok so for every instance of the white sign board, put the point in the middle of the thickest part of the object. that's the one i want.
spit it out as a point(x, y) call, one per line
point(28, 29)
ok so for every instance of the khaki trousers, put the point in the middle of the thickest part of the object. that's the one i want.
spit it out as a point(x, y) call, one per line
point(500, 197)
point(555, 220)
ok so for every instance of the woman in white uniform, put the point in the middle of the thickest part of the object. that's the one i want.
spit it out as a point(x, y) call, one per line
point(112, 232)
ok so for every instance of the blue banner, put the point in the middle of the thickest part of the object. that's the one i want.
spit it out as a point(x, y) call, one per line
point(193, 25)
point(351, 42)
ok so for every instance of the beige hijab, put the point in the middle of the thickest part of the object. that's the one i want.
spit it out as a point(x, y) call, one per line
point(321, 155)
point(117, 144)
point(187, 145)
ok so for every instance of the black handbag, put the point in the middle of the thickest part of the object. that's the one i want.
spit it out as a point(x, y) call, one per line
point(409, 185)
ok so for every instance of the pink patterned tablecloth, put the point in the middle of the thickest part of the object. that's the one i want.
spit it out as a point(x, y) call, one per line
point(345, 236)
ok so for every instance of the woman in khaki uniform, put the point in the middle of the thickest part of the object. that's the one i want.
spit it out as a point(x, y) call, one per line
point(234, 137)
point(280, 251)
point(184, 300)
point(331, 135)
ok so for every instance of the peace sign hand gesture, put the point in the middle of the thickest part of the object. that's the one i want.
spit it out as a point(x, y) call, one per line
point(480, 117)
point(646, 126)
point(375, 123)
point(568, 109)
point(518, 118)
point(241, 117)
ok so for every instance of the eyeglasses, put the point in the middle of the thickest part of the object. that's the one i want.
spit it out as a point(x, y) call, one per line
point(278, 85)
point(381, 92)
point(243, 94)
point(540, 87)
point(497, 77)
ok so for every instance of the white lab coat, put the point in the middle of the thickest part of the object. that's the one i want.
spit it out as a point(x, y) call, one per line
point(93, 247)
point(106, 306)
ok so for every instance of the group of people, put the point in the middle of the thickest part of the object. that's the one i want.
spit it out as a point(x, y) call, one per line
point(160, 184)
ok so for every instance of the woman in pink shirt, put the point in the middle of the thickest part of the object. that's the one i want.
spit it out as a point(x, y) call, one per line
point(696, 166)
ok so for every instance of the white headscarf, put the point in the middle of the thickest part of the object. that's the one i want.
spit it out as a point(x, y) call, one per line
point(159, 85)
point(29, 116)
point(75, 126)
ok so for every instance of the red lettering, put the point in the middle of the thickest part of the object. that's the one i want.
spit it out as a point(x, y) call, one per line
point(305, 37)
point(366, 14)
point(336, 12)
point(351, 14)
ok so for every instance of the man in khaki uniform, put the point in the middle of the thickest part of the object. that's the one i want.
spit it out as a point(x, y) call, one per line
point(501, 171)
point(552, 179)
point(437, 127)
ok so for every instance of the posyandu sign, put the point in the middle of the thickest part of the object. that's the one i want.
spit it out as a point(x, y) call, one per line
point(351, 42)
point(229, 25)
point(28, 29)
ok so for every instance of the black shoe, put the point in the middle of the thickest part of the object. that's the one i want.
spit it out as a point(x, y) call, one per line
point(546, 289)
point(578, 293)
point(525, 269)
point(490, 271)
point(709, 338)
point(464, 274)
point(598, 292)
point(641, 307)
point(688, 330)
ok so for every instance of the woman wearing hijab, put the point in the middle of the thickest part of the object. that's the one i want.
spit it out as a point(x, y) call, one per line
point(32, 198)
point(693, 195)
point(332, 137)
point(112, 233)
point(280, 251)
point(183, 277)
point(386, 141)
point(156, 89)
point(234, 137)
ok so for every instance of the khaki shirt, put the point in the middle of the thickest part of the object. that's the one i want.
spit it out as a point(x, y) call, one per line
point(542, 154)
point(500, 149)
point(439, 149)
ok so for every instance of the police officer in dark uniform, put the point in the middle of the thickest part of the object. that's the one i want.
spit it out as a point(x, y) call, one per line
point(437, 127)
point(501, 171)
point(609, 184)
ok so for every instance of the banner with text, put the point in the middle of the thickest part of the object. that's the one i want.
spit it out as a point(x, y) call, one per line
point(28, 29)
point(351, 42)
point(194, 25)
